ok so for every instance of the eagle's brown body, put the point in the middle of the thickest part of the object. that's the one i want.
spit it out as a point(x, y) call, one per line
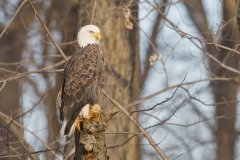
point(82, 81)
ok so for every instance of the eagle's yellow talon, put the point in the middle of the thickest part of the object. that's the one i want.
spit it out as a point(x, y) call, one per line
point(78, 123)
point(95, 111)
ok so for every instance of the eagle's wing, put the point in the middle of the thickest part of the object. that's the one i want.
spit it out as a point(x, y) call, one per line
point(82, 79)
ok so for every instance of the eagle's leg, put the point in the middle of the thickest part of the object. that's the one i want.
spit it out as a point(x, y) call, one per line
point(84, 114)
point(95, 111)
point(90, 112)
point(78, 123)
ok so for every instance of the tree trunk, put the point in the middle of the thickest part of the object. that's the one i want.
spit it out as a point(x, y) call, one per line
point(226, 92)
point(90, 139)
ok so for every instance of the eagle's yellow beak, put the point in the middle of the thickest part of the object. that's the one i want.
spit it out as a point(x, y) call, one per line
point(97, 35)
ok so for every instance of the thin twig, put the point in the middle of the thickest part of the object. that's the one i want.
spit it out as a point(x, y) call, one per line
point(16, 130)
point(139, 101)
point(223, 65)
point(93, 11)
point(35, 153)
point(122, 144)
point(3, 85)
point(13, 120)
point(45, 69)
point(153, 39)
point(21, 5)
point(170, 116)
point(166, 100)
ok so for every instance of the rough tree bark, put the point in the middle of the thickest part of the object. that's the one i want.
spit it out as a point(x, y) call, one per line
point(90, 137)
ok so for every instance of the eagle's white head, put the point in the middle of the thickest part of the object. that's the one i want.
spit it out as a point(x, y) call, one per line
point(89, 34)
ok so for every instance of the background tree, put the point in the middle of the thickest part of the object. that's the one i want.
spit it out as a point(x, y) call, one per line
point(225, 93)
point(10, 95)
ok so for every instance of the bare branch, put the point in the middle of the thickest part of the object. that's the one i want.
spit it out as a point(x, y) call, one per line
point(146, 135)
point(46, 29)
point(16, 12)
point(152, 47)
point(45, 69)
point(151, 108)
point(174, 86)
point(15, 128)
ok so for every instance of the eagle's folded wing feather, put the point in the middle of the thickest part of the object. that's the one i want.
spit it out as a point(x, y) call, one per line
point(81, 83)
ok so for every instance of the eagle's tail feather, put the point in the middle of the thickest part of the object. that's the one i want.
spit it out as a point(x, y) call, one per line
point(69, 128)
point(62, 138)
point(72, 128)
point(62, 131)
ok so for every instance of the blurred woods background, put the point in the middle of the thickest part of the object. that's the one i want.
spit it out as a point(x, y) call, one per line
point(172, 64)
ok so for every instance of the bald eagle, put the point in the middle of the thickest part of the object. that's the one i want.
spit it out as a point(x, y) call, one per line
point(82, 78)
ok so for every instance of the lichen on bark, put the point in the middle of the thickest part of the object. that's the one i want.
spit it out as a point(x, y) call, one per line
point(90, 139)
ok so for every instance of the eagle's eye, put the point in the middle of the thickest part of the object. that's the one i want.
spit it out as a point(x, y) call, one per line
point(90, 31)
